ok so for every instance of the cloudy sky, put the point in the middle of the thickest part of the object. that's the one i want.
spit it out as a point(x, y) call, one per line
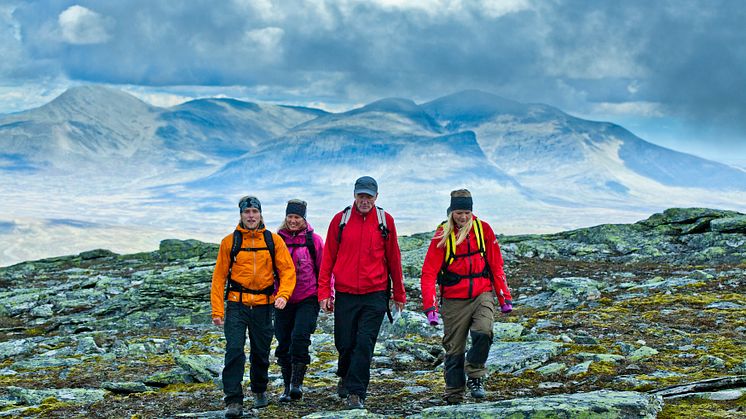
point(671, 71)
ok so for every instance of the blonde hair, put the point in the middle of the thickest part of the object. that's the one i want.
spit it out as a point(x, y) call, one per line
point(450, 225)
point(284, 225)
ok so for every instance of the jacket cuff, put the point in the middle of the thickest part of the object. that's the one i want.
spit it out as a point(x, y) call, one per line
point(427, 310)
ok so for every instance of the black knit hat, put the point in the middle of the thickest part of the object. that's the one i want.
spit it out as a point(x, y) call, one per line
point(297, 207)
point(463, 203)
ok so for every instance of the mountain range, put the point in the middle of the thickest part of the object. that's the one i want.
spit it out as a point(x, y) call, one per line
point(97, 163)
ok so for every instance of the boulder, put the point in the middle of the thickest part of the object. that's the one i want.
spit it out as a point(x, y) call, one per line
point(507, 357)
point(603, 403)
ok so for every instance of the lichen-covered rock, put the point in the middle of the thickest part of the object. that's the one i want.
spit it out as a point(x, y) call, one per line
point(729, 224)
point(601, 404)
point(14, 348)
point(204, 368)
point(677, 236)
point(344, 414)
point(125, 387)
point(172, 249)
point(507, 357)
point(506, 331)
point(642, 352)
point(72, 395)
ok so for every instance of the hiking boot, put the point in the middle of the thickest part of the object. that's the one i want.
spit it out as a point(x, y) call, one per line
point(296, 382)
point(453, 400)
point(342, 391)
point(285, 397)
point(355, 402)
point(234, 410)
point(477, 387)
point(260, 400)
point(286, 375)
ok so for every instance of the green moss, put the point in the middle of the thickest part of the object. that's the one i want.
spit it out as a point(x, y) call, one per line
point(186, 387)
point(701, 408)
point(34, 331)
point(47, 406)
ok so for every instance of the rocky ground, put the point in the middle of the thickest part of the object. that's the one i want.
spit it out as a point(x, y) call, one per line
point(631, 320)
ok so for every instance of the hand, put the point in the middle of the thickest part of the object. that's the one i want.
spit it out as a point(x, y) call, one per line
point(280, 302)
point(399, 306)
point(506, 307)
point(218, 321)
point(432, 317)
point(327, 305)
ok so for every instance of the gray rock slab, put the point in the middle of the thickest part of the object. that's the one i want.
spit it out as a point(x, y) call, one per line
point(14, 348)
point(507, 331)
point(202, 367)
point(722, 395)
point(125, 387)
point(603, 404)
point(70, 395)
point(581, 368)
point(344, 414)
point(507, 357)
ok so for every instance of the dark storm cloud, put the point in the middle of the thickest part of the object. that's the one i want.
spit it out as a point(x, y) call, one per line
point(687, 57)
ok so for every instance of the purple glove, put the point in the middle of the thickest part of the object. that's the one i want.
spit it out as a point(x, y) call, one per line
point(507, 307)
point(432, 317)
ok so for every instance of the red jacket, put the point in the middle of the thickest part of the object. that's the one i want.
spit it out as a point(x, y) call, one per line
point(359, 263)
point(464, 266)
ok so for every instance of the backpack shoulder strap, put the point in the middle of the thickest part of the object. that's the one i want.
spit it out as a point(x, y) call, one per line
point(236, 246)
point(381, 214)
point(479, 230)
point(270, 241)
point(312, 251)
point(343, 222)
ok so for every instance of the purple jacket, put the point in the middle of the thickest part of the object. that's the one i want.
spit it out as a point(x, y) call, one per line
point(306, 283)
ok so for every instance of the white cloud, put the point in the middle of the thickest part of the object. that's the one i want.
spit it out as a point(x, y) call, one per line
point(84, 26)
point(265, 43)
point(640, 109)
point(497, 8)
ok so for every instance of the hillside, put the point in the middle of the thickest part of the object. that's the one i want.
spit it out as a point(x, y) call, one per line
point(619, 321)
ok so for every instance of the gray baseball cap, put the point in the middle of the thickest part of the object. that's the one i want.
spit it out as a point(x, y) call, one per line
point(366, 185)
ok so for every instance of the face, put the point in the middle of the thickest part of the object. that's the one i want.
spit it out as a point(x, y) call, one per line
point(295, 222)
point(364, 202)
point(461, 217)
point(250, 217)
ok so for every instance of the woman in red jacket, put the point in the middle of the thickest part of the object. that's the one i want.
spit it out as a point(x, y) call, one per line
point(464, 260)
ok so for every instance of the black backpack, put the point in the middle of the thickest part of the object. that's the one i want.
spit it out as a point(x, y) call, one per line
point(232, 285)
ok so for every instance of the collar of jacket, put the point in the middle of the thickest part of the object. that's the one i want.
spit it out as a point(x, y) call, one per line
point(290, 234)
point(255, 232)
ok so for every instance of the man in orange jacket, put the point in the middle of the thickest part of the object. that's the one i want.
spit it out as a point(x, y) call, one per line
point(251, 277)
point(360, 260)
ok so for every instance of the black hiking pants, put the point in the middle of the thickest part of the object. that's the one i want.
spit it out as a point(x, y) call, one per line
point(294, 326)
point(357, 321)
point(258, 321)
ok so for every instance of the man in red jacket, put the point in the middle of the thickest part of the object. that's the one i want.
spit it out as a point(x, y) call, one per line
point(361, 253)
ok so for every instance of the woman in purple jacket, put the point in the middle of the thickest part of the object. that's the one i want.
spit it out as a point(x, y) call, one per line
point(295, 324)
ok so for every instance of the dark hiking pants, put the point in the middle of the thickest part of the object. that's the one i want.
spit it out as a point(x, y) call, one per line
point(258, 321)
point(357, 321)
point(294, 326)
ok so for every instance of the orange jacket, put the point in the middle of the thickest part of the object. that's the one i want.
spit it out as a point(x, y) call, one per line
point(252, 270)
